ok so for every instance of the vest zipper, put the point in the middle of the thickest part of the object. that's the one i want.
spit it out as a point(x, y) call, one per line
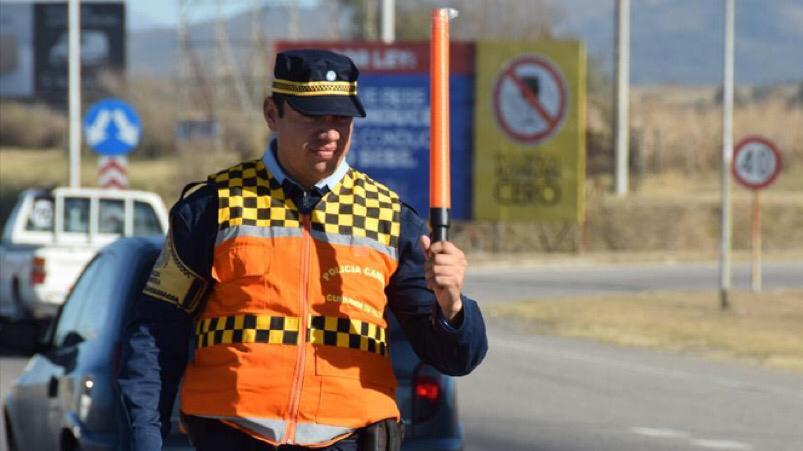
point(295, 400)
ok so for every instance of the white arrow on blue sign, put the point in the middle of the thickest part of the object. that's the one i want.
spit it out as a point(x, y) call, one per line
point(112, 127)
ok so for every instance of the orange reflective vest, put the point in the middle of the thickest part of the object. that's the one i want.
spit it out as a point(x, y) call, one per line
point(292, 344)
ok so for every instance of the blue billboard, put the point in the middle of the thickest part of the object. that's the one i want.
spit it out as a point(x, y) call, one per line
point(392, 143)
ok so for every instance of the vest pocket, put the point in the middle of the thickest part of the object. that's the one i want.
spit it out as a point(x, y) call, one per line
point(355, 388)
point(360, 366)
point(240, 261)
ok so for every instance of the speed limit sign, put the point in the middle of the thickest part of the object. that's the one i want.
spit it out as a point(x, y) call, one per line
point(756, 162)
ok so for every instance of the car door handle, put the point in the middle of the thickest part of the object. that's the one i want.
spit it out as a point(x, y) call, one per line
point(53, 387)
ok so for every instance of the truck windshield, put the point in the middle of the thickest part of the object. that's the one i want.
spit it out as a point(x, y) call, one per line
point(145, 221)
point(76, 214)
point(111, 216)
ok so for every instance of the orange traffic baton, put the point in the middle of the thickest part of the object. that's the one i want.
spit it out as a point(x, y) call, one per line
point(439, 183)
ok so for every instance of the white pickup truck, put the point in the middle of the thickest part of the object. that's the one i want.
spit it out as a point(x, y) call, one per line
point(52, 233)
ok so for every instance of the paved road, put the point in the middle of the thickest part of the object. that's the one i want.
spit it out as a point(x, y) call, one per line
point(507, 283)
point(549, 393)
point(546, 393)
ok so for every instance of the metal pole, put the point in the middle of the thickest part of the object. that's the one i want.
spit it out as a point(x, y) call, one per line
point(727, 157)
point(74, 96)
point(622, 138)
point(292, 25)
point(755, 273)
point(388, 21)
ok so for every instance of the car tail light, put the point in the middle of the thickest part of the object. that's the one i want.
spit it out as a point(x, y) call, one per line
point(427, 393)
point(427, 388)
point(38, 271)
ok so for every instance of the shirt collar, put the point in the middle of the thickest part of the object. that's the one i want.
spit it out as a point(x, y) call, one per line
point(272, 163)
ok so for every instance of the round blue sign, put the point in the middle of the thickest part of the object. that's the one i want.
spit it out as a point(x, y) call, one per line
point(112, 127)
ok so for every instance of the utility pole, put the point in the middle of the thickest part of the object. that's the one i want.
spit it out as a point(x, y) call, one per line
point(388, 21)
point(727, 157)
point(292, 23)
point(74, 82)
point(369, 32)
point(622, 121)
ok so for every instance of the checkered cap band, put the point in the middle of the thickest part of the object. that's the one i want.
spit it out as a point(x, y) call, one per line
point(247, 328)
point(315, 88)
point(360, 207)
point(347, 333)
point(248, 196)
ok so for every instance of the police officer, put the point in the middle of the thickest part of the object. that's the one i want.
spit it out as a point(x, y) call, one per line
point(279, 271)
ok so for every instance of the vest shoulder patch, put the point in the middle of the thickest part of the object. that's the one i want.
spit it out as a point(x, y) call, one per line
point(173, 282)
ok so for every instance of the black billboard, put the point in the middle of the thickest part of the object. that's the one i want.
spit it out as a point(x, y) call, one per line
point(102, 47)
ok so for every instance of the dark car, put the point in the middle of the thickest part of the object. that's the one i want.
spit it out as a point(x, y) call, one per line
point(66, 399)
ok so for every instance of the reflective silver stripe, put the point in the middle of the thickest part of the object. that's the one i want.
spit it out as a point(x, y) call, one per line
point(273, 430)
point(256, 232)
point(355, 241)
point(283, 232)
point(312, 433)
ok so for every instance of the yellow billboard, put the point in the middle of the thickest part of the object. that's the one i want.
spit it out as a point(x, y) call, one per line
point(529, 131)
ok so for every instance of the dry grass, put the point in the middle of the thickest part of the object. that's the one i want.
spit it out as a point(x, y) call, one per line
point(673, 205)
point(31, 125)
point(764, 328)
point(23, 168)
point(681, 127)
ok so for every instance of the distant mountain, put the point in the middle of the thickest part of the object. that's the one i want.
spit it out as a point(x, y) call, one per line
point(681, 41)
point(672, 41)
point(153, 52)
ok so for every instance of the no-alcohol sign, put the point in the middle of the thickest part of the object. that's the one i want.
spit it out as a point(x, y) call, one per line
point(756, 162)
point(530, 99)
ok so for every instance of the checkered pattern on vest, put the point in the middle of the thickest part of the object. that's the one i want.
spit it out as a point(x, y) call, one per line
point(358, 206)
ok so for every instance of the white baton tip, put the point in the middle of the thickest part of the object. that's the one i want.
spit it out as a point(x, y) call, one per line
point(451, 13)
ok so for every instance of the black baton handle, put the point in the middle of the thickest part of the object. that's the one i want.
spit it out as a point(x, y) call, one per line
point(439, 223)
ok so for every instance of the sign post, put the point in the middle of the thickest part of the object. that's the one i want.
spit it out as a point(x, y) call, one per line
point(112, 128)
point(756, 164)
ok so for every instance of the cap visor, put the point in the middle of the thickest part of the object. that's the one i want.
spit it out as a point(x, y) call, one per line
point(327, 105)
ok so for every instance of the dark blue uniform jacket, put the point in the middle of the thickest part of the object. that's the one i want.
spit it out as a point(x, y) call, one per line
point(157, 342)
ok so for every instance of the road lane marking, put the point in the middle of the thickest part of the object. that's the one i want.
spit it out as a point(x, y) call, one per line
point(645, 369)
point(659, 432)
point(699, 442)
point(720, 444)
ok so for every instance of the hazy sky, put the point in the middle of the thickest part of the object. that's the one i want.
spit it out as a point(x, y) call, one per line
point(149, 13)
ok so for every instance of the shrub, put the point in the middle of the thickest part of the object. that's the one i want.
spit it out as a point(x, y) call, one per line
point(31, 125)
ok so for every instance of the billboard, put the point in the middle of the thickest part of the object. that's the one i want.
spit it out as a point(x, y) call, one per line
point(529, 131)
point(102, 46)
point(392, 143)
point(16, 50)
point(34, 47)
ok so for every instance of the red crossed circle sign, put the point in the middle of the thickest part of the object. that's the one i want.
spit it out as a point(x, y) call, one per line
point(529, 99)
point(756, 162)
